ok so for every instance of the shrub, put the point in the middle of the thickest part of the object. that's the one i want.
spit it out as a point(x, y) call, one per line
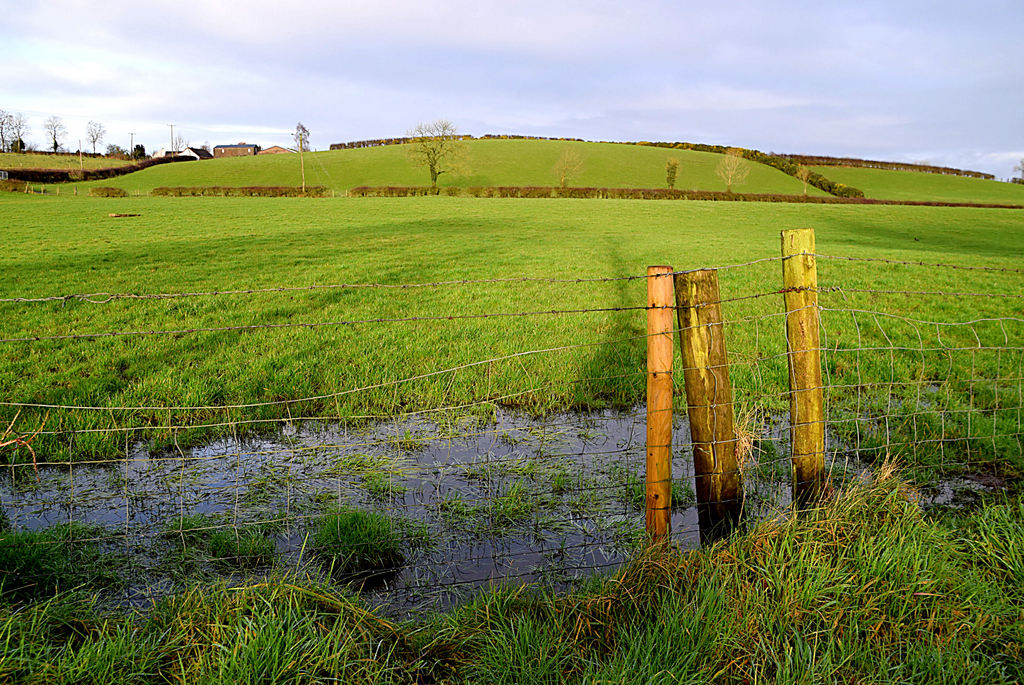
point(107, 191)
point(358, 541)
point(240, 191)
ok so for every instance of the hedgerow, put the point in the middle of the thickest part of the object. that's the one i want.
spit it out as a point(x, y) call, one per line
point(107, 191)
point(642, 194)
point(67, 175)
point(241, 191)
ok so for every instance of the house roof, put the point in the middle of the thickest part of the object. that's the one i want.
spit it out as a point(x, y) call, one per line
point(200, 152)
point(237, 145)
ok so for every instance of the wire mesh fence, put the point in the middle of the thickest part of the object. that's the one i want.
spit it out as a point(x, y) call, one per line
point(421, 476)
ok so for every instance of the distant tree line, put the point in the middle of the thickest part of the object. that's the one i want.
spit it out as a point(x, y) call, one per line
point(820, 160)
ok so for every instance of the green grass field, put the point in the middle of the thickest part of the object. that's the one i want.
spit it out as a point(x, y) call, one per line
point(14, 160)
point(866, 589)
point(887, 184)
point(486, 162)
point(61, 246)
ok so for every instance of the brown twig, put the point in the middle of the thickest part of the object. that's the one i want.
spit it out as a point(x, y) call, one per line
point(22, 441)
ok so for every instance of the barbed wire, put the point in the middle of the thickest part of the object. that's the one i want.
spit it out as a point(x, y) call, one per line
point(881, 260)
point(105, 297)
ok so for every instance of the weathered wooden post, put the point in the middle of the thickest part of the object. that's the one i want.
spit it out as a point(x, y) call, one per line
point(659, 402)
point(709, 403)
point(806, 405)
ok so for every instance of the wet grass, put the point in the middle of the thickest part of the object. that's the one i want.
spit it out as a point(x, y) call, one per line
point(39, 564)
point(199, 539)
point(352, 541)
point(867, 589)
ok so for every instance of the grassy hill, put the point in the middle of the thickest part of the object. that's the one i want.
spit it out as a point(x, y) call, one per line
point(886, 184)
point(487, 162)
point(15, 160)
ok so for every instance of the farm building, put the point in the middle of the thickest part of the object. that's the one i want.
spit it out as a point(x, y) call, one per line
point(237, 150)
point(193, 152)
point(275, 150)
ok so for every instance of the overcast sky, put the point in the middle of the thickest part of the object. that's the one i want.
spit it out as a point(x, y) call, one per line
point(935, 81)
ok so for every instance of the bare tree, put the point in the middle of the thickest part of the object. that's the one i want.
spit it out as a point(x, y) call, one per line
point(803, 173)
point(301, 137)
point(671, 170)
point(54, 126)
point(1020, 168)
point(436, 146)
point(19, 129)
point(5, 129)
point(733, 168)
point(179, 143)
point(568, 166)
point(94, 132)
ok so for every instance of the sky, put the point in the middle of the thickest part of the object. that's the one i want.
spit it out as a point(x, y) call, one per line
point(919, 81)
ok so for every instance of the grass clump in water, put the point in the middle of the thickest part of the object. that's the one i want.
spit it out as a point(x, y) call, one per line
point(358, 541)
point(201, 537)
point(37, 564)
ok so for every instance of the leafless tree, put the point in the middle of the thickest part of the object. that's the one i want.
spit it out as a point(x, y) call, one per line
point(1020, 168)
point(436, 146)
point(803, 173)
point(301, 137)
point(179, 143)
point(732, 168)
point(5, 129)
point(671, 170)
point(94, 132)
point(568, 166)
point(55, 128)
point(18, 130)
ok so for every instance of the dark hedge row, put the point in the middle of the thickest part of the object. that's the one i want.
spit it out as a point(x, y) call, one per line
point(68, 175)
point(640, 194)
point(13, 186)
point(818, 160)
point(378, 142)
point(107, 191)
point(241, 191)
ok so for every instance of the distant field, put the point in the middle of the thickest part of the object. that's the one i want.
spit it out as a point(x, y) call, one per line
point(487, 162)
point(14, 160)
point(887, 184)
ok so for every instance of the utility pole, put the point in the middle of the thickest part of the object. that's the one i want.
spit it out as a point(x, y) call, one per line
point(81, 165)
point(131, 145)
point(171, 146)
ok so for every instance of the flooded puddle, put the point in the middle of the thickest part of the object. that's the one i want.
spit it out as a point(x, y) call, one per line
point(513, 499)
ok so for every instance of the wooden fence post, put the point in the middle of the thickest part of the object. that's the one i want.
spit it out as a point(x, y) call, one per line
point(659, 402)
point(709, 403)
point(806, 405)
